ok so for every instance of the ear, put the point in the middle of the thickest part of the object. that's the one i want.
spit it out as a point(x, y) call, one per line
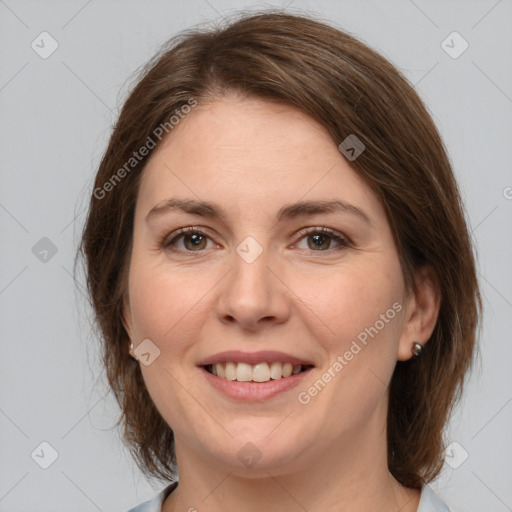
point(421, 312)
point(127, 322)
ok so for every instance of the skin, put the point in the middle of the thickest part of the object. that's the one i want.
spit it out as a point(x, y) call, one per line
point(251, 157)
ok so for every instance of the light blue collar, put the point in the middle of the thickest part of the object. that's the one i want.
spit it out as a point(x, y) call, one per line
point(429, 501)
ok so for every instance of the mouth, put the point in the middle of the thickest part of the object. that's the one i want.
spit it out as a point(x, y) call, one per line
point(254, 376)
point(259, 373)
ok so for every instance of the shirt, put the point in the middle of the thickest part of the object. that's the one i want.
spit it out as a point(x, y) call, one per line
point(429, 501)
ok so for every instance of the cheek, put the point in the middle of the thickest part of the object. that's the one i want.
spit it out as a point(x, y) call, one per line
point(161, 302)
point(363, 311)
point(349, 301)
point(164, 309)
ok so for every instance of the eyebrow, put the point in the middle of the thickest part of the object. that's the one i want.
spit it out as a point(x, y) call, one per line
point(301, 208)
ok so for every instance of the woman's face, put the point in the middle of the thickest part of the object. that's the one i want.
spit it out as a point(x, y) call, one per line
point(293, 268)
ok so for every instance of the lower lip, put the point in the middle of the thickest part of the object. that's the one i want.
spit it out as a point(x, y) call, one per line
point(254, 390)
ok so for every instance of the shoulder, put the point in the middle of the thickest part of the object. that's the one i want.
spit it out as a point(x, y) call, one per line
point(155, 504)
point(431, 502)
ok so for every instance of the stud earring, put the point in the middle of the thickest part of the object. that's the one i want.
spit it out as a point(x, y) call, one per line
point(131, 348)
point(417, 350)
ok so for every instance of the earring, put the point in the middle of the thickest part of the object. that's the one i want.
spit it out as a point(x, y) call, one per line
point(131, 348)
point(417, 350)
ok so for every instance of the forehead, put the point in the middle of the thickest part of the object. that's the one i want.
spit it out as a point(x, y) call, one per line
point(251, 154)
point(246, 130)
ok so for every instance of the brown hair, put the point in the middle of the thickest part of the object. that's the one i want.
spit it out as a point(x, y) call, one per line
point(349, 89)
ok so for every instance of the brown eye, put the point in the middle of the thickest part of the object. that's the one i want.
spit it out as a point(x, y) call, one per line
point(194, 242)
point(319, 241)
point(322, 240)
point(187, 240)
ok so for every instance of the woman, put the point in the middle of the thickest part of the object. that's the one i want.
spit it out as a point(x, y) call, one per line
point(281, 270)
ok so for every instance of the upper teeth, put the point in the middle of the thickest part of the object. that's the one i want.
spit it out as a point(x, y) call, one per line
point(261, 372)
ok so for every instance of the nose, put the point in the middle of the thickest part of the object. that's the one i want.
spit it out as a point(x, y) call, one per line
point(253, 296)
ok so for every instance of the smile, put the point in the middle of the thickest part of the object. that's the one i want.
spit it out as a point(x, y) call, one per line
point(254, 376)
point(260, 372)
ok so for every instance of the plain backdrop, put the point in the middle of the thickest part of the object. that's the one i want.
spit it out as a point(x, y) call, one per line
point(56, 112)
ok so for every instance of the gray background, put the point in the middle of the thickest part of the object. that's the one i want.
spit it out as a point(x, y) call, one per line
point(56, 115)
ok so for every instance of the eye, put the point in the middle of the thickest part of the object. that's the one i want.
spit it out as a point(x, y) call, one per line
point(193, 240)
point(321, 240)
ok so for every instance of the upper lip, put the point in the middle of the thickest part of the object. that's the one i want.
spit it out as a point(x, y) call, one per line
point(252, 358)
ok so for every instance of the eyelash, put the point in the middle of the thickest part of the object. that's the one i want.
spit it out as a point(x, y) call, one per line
point(167, 243)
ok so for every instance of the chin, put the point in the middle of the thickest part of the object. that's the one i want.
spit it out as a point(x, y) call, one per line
point(255, 454)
